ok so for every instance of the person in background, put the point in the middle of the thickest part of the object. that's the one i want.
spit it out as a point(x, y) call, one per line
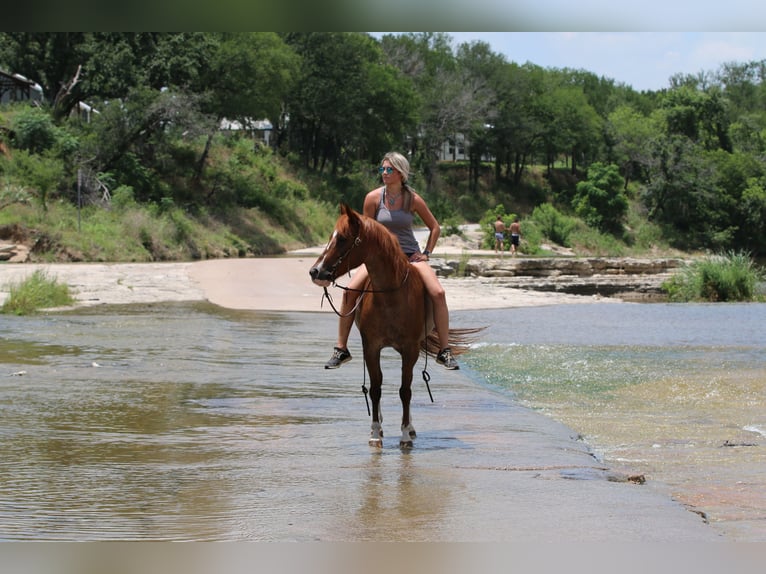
point(515, 235)
point(394, 205)
point(500, 229)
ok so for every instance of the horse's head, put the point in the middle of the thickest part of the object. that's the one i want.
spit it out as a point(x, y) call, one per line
point(342, 252)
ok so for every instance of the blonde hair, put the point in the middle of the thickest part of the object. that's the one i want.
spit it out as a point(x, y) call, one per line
point(399, 163)
point(402, 165)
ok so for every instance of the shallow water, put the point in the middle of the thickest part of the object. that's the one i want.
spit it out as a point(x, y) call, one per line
point(676, 392)
point(190, 422)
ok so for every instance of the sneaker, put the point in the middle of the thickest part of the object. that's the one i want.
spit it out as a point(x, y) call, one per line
point(445, 358)
point(339, 356)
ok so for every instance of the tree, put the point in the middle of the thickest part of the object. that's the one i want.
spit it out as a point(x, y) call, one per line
point(520, 122)
point(681, 189)
point(572, 125)
point(102, 66)
point(752, 214)
point(487, 68)
point(630, 133)
point(454, 95)
point(347, 103)
point(700, 116)
point(248, 78)
point(600, 200)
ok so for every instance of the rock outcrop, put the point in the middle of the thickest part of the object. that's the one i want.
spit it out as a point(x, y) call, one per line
point(624, 277)
point(14, 253)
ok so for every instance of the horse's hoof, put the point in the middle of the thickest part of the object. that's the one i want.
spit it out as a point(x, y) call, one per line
point(405, 444)
point(376, 442)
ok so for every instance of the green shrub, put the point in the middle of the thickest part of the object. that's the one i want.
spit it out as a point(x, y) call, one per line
point(728, 277)
point(38, 291)
point(34, 130)
point(123, 197)
point(600, 200)
point(553, 224)
point(38, 174)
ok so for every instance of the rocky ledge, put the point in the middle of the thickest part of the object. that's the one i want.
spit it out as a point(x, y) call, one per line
point(13, 253)
point(623, 277)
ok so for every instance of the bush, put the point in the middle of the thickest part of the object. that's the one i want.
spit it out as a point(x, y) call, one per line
point(728, 277)
point(37, 291)
point(599, 200)
point(34, 129)
point(553, 224)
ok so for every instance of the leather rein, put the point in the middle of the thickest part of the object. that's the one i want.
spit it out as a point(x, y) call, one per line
point(357, 241)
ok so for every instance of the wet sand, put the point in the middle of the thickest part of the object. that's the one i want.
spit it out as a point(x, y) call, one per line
point(514, 474)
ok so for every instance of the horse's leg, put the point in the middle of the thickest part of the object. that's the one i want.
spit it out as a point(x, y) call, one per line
point(409, 358)
point(372, 360)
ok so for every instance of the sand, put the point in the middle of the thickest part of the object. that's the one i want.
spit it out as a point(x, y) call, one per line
point(269, 284)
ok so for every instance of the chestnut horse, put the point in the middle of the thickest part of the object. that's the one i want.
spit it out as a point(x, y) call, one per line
point(394, 309)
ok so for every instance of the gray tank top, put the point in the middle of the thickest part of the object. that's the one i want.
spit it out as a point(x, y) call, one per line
point(398, 222)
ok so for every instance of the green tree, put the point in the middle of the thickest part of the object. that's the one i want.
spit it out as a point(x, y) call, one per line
point(681, 190)
point(752, 214)
point(100, 66)
point(483, 68)
point(40, 174)
point(571, 123)
point(698, 115)
point(347, 103)
point(454, 93)
point(520, 120)
point(134, 140)
point(631, 135)
point(247, 79)
point(600, 200)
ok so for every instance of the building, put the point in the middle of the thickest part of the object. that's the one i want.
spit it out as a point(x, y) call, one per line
point(259, 130)
point(456, 148)
point(17, 88)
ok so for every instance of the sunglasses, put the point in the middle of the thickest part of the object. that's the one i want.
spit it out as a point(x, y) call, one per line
point(387, 170)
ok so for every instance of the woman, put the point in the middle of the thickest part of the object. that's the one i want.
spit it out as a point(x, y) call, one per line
point(394, 205)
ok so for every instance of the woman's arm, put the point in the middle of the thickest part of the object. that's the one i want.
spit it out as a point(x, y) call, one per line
point(371, 200)
point(421, 208)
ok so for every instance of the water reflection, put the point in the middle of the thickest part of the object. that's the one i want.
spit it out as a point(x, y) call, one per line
point(189, 422)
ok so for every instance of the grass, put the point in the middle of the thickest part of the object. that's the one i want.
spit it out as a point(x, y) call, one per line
point(731, 276)
point(38, 291)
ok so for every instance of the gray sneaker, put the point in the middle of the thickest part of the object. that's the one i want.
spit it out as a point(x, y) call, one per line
point(339, 356)
point(445, 358)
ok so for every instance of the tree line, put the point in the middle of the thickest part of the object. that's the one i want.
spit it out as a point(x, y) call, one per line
point(692, 156)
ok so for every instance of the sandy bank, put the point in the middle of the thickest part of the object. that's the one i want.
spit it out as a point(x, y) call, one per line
point(273, 284)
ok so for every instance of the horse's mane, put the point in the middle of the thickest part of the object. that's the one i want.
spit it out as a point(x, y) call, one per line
point(386, 244)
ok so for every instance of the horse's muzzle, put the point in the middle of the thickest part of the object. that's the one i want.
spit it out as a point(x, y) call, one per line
point(321, 276)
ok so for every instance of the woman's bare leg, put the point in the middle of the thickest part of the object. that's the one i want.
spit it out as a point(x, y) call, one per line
point(340, 353)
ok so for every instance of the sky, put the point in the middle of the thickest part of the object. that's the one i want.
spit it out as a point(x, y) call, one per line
point(642, 60)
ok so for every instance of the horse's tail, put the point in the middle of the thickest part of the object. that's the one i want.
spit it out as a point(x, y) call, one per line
point(460, 340)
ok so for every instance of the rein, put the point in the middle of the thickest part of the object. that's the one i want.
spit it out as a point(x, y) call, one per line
point(362, 291)
point(357, 241)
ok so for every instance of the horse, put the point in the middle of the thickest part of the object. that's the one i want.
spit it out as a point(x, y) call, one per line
point(393, 310)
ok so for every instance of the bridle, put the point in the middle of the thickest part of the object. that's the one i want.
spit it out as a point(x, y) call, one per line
point(357, 241)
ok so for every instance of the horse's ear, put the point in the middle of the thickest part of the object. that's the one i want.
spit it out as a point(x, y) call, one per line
point(345, 209)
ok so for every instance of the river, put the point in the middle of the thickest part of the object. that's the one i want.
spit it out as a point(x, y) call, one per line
point(192, 422)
